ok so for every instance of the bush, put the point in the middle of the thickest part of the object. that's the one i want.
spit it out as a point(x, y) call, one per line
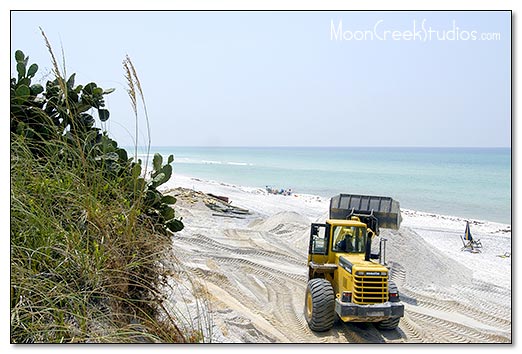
point(88, 232)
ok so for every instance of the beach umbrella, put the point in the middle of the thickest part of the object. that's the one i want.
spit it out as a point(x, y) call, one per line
point(467, 233)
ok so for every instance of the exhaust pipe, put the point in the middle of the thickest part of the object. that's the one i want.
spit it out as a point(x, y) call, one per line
point(382, 251)
point(368, 249)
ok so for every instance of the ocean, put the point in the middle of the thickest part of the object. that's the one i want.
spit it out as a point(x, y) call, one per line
point(472, 183)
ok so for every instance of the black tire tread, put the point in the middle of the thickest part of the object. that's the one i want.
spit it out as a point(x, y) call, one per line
point(323, 300)
point(392, 322)
point(389, 323)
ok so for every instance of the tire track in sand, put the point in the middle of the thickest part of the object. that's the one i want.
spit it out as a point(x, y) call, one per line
point(492, 317)
point(279, 307)
point(452, 332)
point(206, 241)
point(470, 308)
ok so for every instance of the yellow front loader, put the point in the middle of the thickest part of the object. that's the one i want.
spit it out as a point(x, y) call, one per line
point(346, 280)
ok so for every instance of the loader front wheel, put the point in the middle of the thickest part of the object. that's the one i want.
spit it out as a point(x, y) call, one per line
point(390, 323)
point(319, 305)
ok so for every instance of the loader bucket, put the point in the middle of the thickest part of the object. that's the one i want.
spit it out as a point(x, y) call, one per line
point(385, 209)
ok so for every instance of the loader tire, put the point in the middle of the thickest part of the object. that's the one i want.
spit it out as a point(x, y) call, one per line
point(389, 323)
point(319, 305)
point(392, 286)
point(392, 322)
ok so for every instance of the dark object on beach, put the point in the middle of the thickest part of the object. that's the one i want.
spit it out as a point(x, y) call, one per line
point(228, 216)
point(281, 191)
point(221, 204)
point(469, 243)
point(227, 209)
point(220, 197)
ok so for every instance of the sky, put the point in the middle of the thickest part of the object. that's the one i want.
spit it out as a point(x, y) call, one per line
point(298, 78)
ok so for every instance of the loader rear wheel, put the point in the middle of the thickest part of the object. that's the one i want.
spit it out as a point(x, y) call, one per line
point(389, 323)
point(319, 305)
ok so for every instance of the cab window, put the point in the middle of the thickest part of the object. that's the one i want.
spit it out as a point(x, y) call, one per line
point(350, 239)
point(319, 239)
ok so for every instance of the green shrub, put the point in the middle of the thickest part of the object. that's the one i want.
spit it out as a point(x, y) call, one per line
point(88, 231)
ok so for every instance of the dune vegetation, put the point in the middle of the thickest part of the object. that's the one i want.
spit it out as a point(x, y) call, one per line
point(89, 229)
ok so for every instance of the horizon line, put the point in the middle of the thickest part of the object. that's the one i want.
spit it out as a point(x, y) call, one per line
point(321, 146)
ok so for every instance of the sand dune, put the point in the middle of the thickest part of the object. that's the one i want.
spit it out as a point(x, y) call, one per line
point(251, 272)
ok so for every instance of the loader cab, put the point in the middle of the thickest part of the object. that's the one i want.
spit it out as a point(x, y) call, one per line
point(328, 240)
point(349, 239)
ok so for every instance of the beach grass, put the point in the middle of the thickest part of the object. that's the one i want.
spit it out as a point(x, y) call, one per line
point(88, 263)
point(84, 266)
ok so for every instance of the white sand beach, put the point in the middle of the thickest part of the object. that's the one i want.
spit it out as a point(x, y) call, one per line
point(252, 268)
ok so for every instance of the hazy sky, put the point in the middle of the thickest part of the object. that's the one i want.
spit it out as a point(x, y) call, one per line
point(291, 78)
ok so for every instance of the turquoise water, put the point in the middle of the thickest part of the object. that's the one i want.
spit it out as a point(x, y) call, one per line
point(467, 182)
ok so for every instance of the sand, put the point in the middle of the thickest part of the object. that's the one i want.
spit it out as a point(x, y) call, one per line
point(249, 271)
